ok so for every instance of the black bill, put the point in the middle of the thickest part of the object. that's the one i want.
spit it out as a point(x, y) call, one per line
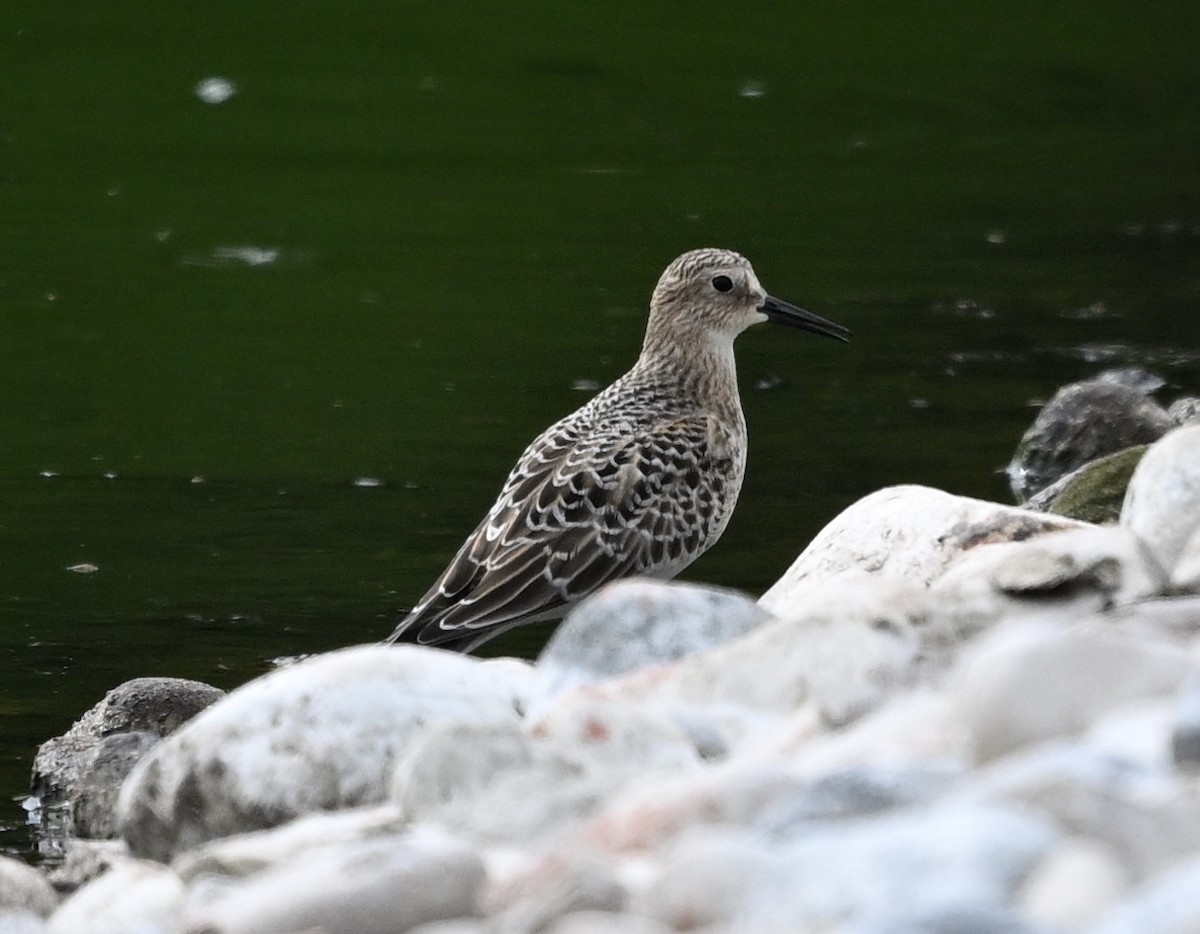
point(782, 313)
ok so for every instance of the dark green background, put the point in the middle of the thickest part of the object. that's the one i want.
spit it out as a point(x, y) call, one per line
point(469, 205)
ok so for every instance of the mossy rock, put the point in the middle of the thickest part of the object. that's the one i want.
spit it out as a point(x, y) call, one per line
point(1093, 492)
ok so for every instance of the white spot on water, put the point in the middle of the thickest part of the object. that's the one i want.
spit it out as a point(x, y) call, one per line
point(997, 237)
point(85, 567)
point(252, 256)
point(368, 482)
point(216, 90)
point(48, 473)
point(751, 88)
point(1087, 312)
point(585, 385)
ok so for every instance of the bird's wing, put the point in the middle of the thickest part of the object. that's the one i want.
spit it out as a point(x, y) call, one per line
point(582, 507)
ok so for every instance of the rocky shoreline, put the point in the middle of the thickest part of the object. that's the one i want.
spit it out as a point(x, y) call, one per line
point(948, 715)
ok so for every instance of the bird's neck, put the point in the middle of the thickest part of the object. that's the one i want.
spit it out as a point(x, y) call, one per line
point(701, 364)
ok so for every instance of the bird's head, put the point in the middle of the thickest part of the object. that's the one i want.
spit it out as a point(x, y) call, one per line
point(716, 291)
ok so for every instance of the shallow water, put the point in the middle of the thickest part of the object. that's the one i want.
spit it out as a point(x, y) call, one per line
point(285, 291)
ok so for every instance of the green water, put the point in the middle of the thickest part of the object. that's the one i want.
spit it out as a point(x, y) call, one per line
point(416, 233)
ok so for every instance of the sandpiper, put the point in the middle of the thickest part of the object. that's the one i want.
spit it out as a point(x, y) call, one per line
point(640, 480)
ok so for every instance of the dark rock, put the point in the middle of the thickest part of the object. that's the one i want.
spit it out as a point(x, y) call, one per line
point(1084, 421)
point(1185, 410)
point(90, 760)
point(1185, 733)
point(105, 768)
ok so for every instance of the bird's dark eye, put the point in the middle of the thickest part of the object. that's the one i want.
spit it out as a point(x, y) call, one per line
point(722, 283)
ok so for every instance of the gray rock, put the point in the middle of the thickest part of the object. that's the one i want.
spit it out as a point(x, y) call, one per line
point(907, 532)
point(1167, 904)
point(1081, 422)
point(377, 886)
point(1184, 410)
point(856, 792)
point(1094, 492)
point(637, 623)
point(148, 707)
point(1185, 732)
point(319, 735)
point(1162, 504)
point(24, 889)
point(86, 860)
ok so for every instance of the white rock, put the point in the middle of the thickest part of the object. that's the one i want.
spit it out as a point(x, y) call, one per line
point(478, 780)
point(249, 853)
point(561, 882)
point(916, 728)
point(1138, 732)
point(918, 862)
point(24, 889)
point(1147, 816)
point(1162, 504)
point(907, 532)
point(133, 896)
point(1185, 576)
point(1065, 575)
point(376, 886)
point(712, 876)
point(606, 922)
point(21, 922)
point(582, 750)
point(651, 813)
point(841, 654)
point(614, 735)
point(638, 622)
point(1167, 904)
point(1074, 885)
point(1028, 682)
point(319, 735)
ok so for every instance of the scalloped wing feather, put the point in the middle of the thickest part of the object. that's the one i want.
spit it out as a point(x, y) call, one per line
point(580, 509)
